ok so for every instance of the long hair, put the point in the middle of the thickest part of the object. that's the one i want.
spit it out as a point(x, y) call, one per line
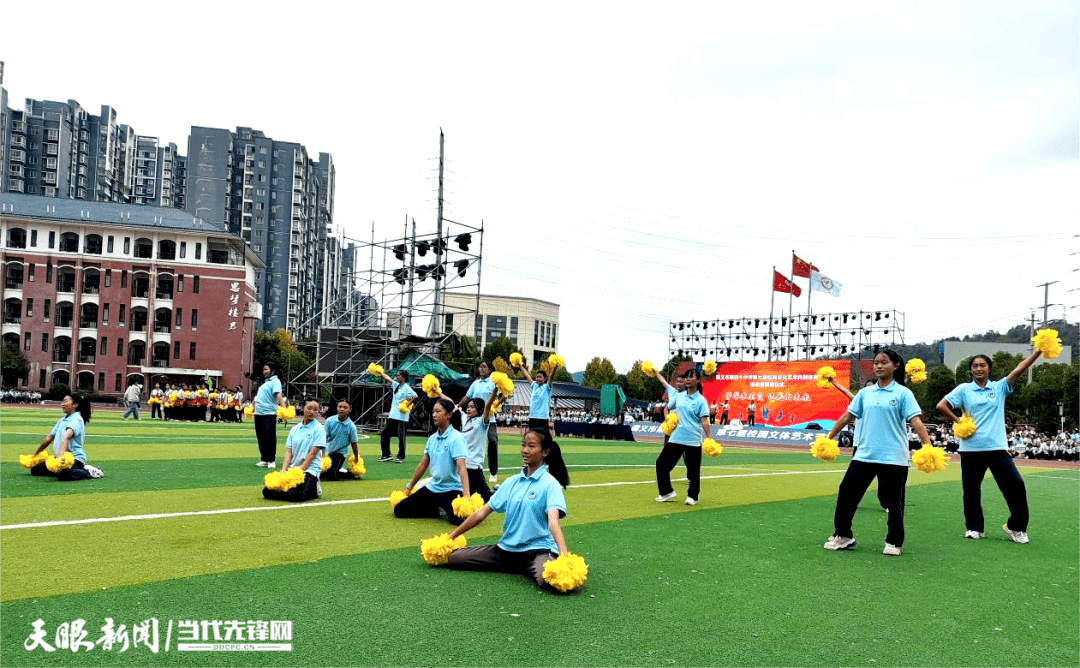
point(82, 404)
point(448, 406)
point(553, 458)
point(899, 375)
point(275, 370)
point(477, 403)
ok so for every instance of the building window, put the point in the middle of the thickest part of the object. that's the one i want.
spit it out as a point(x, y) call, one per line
point(41, 379)
point(127, 245)
point(119, 381)
point(48, 273)
point(119, 347)
point(27, 340)
point(176, 350)
point(44, 343)
point(479, 330)
point(179, 318)
point(553, 326)
point(191, 352)
point(514, 329)
point(108, 278)
point(45, 311)
point(30, 272)
point(52, 239)
point(101, 381)
point(123, 280)
point(198, 250)
point(448, 322)
point(30, 308)
point(183, 250)
point(109, 245)
point(194, 319)
point(104, 314)
point(180, 283)
point(33, 238)
point(195, 284)
point(104, 346)
point(120, 319)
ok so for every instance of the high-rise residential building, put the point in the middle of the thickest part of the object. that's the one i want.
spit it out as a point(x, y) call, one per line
point(281, 202)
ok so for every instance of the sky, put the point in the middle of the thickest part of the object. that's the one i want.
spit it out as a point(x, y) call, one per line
point(640, 166)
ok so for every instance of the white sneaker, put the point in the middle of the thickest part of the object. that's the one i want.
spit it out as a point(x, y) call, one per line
point(670, 496)
point(1017, 536)
point(272, 464)
point(493, 478)
point(343, 470)
point(94, 471)
point(690, 501)
point(318, 489)
point(891, 550)
point(839, 543)
point(260, 463)
point(975, 535)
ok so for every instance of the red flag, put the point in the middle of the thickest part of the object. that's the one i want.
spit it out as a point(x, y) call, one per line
point(801, 268)
point(781, 283)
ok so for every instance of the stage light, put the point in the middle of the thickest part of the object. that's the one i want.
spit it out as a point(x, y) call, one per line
point(866, 331)
point(712, 338)
point(815, 319)
point(836, 318)
point(867, 316)
point(805, 319)
point(673, 339)
point(886, 314)
point(730, 323)
point(885, 332)
point(461, 266)
point(843, 350)
point(439, 245)
point(682, 326)
point(877, 316)
point(400, 275)
point(783, 322)
point(422, 271)
point(422, 248)
point(877, 349)
point(440, 271)
point(399, 251)
point(463, 241)
point(845, 318)
point(813, 350)
point(757, 323)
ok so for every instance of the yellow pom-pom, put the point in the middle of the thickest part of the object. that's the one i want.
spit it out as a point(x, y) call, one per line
point(916, 370)
point(324, 465)
point(397, 496)
point(430, 385)
point(823, 376)
point(648, 369)
point(929, 459)
point(249, 410)
point(669, 424)
point(436, 550)
point(965, 428)
point(825, 448)
point(290, 412)
point(496, 406)
point(503, 383)
point(283, 482)
point(1047, 342)
point(280, 411)
point(464, 507)
point(566, 572)
point(374, 369)
point(711, 448)
point(212, 395)
point(24, 461)
point(709, 368)
point(516, 360)
point(356, 466)
point(30, 461)
point(404, 406)
point(63, 463)
point(556, 361)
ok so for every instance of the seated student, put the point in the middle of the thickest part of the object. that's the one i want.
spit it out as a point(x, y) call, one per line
point(303, 449)
point(533, 502)
point(340, 434)
point(446, 453)
point(72, 432)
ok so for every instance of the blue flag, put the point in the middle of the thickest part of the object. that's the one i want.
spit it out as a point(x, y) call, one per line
point(823, 283)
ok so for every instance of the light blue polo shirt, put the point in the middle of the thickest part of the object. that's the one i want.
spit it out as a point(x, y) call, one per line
point(443, 450)
point(265, 401)
point(474, 431)
point(402, 392)
point(986, 407)
point(883, 413)
point(481, 387)
point(690, 408)
point(75, 423)
point(526, 501)
point(340, 434)
point(673, 399)
point(540, 401)
point(302, 438)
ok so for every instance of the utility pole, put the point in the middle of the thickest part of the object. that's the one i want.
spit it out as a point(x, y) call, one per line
point(1046, 301)
point(436, 325)
point(1032, 367)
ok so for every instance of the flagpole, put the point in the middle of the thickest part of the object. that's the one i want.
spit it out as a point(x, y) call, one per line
point(772, 303)
point(791, 295)
point(809, 313)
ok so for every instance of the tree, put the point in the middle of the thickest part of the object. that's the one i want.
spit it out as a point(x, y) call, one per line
point(459, 353)
point(500, 347)
point(278, 347)
point(635, 382)
point(13, 366)
point(563, 376)
point(501, 365)
point(939, 382)
point(599, 371)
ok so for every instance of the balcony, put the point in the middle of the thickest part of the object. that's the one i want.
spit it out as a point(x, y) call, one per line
point(13, 283)
point(63, 356)
point(87, 359)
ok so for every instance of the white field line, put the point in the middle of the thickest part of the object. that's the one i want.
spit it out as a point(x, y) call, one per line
point(290, 506)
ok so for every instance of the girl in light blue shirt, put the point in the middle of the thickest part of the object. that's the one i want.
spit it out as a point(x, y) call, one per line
point(267, 400)
point(539, 399)
point(445, 453)
point(685, 442)
point(534, 503)
point(69, 435)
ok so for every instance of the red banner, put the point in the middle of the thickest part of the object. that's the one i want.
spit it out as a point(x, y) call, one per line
point(785, 394)
point(780, 283)
point(801, 267)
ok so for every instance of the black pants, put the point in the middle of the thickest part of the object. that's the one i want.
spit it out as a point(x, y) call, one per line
point(155, 411)
point(266, 433)
point(477, 483)
point(337, 462)
point(667, 460)
point(76, 472)
point(493, 448)
point(750, 420)
point(892, 482)
point(309, 489)
point(393, 428)
point(529, 563)
point(539, 423)
point(426, 503)
point(973, 467)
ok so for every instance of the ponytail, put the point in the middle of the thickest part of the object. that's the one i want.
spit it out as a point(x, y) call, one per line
point(82, 404)
point(553, 459)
